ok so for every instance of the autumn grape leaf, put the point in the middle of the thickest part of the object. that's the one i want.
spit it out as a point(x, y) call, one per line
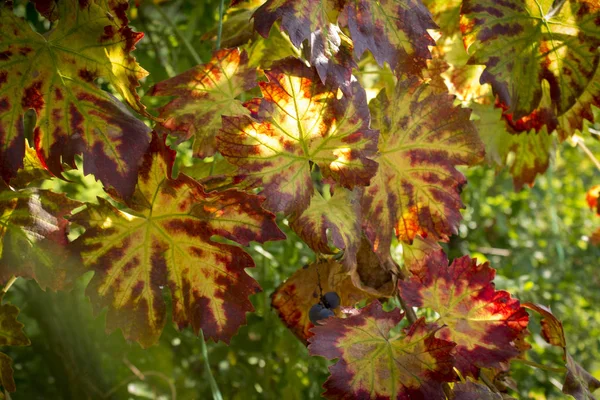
point(417, 187)
point(166, 242)
point(334, 221)
point(372, 274)
point(293, 299)
point(299, 122)
point(11, 334)
point(572, 120)
point(483, 322)
point(446, 14)
point(578, 382)
point(373, 364)
point(415, 254)
point(591, 197)
point(471, 390)
point(556, 42)
point(203, 94)
point(54, 74)
point(32, 170)
point(527, 154)
point(33, 237)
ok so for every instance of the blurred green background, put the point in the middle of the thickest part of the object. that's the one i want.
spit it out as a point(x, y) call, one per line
point(538, 239)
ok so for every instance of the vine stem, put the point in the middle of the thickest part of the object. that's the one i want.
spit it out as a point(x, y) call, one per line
point(213, 383)
point(220, 28)
point(410, 313)
point(579, 142)
point(7, 286)
point(179, 35)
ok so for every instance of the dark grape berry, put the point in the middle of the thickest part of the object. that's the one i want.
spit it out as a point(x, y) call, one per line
point(319, 312)
point(331, 300)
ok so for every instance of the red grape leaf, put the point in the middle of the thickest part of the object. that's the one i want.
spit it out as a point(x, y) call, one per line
point(166, 242)
point(334, 221)
point(33, 237)
point(552, 328)
point(471, 390)
point(298, 122)
point(55, 76)
point(483, 322)
point(372, 364)
point(416, 190)
point(294, 298)
point(527, 154)
point(11, 334)
point(557, 45)
point(592, 196)
point(203, 94)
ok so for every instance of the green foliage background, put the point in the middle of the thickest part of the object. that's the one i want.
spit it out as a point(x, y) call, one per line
point(537, 239)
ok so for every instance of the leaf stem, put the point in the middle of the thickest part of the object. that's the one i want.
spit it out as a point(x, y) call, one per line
point(7, 286)
point(179, 35)
point(579, 142)
point(220, 27)
point(213, 383)
point(540, 366)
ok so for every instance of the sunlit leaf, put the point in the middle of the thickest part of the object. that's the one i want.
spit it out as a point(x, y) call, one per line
point(592, 196)
point(202, 95)
point(167, 241)
point(55, 75)
point(482, 321)
point(446, 14)
point(373, 364)
point(417, 187)
point(299, 122)
point(33, 237)
point(294, 298)
point(11, 334)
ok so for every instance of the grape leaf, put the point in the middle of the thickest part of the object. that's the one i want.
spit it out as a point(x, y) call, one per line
point(334, 221)
point(54, 75)
point(372, 274)
point(592, 196)
point(294, 298)
point(415, 254)
point(11, 334)
point(446, 14)
point(483, 322)
point(299, 122)
point(203, 94)
point(417, 188)
point(555, 42)
point(33, 238)
point(372, 364)
point(471, 390)
point(32, 170)
point(572, 120)
point(166, 241)
point(527, 154)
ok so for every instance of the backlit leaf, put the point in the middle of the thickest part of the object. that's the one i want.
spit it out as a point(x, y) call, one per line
point(446, 14)
point(557, 45)
point(202, 95)
point(11, 334)
point(54, 74)
point(591, 197)
point(373, 364)
point(298, 122)
point(483, 322)
point(335, 221)
point(33, 237)
point(417, 187)
point(294, 298)
point(167, 242)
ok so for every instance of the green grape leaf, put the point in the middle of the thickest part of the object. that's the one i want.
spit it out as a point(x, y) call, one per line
point(54, 74)
point(373, 364)
point(484, 323)
point(166, 241)
point(11, 334)
point(299, 122)
point(33, 237)
point(293, 299)
point(203, 94)
point(527, 154)
point(446, 14)
point(556, 43)
point(416, 191)
point(334, 221)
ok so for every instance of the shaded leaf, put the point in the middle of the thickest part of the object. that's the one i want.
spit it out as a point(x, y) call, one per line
point(372, 364)
point(294, 298)
point(372, 274)
point(55, 76)
point(11, 334)
point(482, 321)
point(298, 122)
point(167, 243)
point(578, 382)
point(417, 187)
point(202, 95)
point(471, 390)
point(33, 238)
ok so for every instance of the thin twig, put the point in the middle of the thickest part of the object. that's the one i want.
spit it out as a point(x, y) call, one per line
point(220, 28)
point(179, 35)
point(213, 383)
point(7, 286)
point(579, 141)
point(540, 366)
